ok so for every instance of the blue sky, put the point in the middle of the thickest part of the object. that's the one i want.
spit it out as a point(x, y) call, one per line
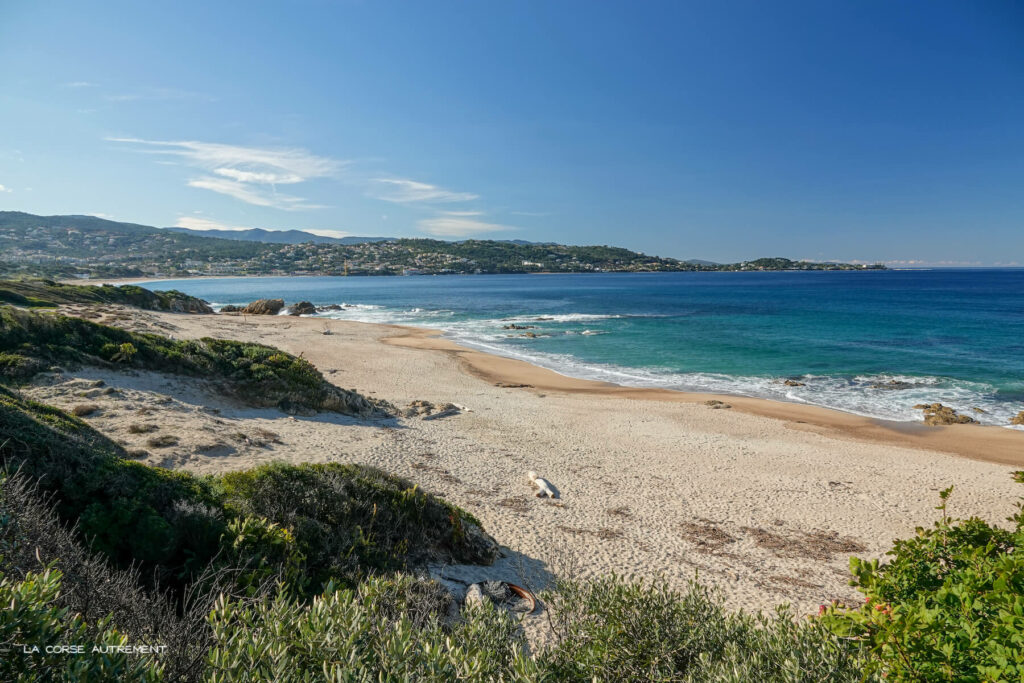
point(722, 130)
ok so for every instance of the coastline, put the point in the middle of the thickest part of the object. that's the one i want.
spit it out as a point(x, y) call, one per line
point(980, 442)
point(766, 501)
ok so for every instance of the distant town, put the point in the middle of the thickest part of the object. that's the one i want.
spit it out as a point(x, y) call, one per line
point(89, 247)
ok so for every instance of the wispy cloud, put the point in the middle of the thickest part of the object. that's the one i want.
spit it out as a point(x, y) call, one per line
point(5, 189)
point(248, 174)
point(457, 224)
point(404, 191)
point(78, 84)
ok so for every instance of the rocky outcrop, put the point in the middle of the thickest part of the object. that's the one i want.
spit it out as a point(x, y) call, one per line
point(936, 414)
point(230, 308)
point(302, 308)
point(1018, 419)
point(794, 383)
point(263, 307)
point(176, 302)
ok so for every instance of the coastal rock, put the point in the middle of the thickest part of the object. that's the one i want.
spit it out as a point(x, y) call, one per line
point(794, 383)
point(892, 385)
point(230, 308)
point(1018, 419)
point(181, 303)
point(332, 307)
point(936, 414)
point(530, 335)
point(513, 326)
point(302, 308)
point(264, 307)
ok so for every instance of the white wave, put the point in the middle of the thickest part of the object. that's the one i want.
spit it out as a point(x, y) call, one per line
point(558, 317)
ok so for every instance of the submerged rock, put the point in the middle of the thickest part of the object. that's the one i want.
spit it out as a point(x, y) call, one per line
point(1018, 419)
point(936, 414)
point(892, 385)
point(794, 383)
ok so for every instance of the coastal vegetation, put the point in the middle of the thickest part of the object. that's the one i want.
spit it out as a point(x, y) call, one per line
point(87, 246)
point(43, 293)
point(304, 572)
point(318, 564)
point(32, 341)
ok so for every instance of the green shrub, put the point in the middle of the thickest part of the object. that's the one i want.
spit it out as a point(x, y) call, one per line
point(948, 606)
point(260, 552)
point(350, 519)
point(361, 635)
point(259, 375)
point(30, 617)
point(37, 293)
point(130, 512)
point(611, 629)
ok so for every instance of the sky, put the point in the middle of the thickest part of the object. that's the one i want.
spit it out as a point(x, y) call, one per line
point(722, 130)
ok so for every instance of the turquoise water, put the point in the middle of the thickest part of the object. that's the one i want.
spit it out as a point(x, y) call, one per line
point(954, 336)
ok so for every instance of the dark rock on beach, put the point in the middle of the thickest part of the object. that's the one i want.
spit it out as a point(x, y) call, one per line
point(264, 307)
point(936, 414)
point(302, 308)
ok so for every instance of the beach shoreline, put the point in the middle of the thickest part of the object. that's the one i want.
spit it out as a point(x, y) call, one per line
point(765, 501)
point(981, 442)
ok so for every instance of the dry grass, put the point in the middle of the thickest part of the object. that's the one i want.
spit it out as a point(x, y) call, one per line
point(162, 441)
point(704, 534)
point(83, 409)
point(141, 428)
point(816, 545)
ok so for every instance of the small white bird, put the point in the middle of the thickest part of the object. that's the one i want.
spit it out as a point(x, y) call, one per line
point(544, 488)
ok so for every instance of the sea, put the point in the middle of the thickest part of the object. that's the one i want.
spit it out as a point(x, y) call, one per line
point(873, 343)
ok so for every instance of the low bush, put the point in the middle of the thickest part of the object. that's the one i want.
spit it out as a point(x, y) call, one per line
point(948, 606)
point(611, 629)
point(364, 634)
point(32, 617)
point(258, 375)
point(36, 293)
point(349, 520)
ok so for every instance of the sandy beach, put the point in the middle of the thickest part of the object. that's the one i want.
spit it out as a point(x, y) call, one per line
point(766, 501)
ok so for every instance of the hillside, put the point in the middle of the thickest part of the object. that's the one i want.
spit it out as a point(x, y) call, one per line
point(86, 246)
point(278, 236)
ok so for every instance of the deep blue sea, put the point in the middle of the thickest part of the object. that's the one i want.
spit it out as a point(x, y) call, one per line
point(953, 336)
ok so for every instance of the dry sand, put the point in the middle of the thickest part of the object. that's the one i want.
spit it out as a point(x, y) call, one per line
point(767, 501)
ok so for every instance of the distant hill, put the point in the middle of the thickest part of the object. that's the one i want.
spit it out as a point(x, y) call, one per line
point(279, 236)
point(86, 246)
